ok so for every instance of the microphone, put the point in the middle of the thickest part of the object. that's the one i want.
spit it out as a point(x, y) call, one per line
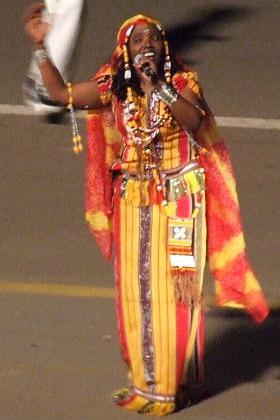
point(146, 68)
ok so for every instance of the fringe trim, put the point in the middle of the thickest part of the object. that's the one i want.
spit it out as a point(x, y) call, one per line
point(186, 287)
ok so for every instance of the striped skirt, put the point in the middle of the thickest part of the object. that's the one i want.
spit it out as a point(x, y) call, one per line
point(162, 339)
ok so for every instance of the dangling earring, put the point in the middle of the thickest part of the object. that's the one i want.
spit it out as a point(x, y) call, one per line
point(167, 64)
point(127, 70)
point(127, 77)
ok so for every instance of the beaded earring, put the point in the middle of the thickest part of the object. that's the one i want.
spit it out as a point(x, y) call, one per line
point(167, 63)
point(127, 77)
point(127, 73)
point(127, 70)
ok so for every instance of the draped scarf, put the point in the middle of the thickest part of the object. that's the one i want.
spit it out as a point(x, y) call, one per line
point(235, 282)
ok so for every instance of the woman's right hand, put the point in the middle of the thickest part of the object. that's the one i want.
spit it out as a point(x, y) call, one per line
point(34, 24)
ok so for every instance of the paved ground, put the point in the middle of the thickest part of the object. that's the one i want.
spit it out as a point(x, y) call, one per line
point(59, 355)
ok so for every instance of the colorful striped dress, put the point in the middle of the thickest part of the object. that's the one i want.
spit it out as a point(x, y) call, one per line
point(161, 337)
point(159, 306)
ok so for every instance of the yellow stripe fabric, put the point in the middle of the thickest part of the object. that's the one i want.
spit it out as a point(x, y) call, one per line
point(163, 301)
point(200, 256)
point(251, 283)
point(98, 220)
point(129, 231)
point(234, 247)
point(229, 180)
point(164, 307)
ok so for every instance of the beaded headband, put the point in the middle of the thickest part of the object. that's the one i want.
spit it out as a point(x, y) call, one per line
point(123, 38)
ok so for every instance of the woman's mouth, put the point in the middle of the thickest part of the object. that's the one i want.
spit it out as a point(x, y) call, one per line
point(149, 54)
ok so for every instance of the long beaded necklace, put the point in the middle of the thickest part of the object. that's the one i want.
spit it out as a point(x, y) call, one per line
point(155, 119)
point(143, 128)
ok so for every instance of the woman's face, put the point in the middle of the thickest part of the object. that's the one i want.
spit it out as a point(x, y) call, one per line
point(146, 40)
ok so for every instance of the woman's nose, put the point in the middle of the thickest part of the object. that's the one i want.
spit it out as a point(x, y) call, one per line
point(147, 42)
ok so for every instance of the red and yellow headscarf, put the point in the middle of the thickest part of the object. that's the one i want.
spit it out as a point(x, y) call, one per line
point(126, 30)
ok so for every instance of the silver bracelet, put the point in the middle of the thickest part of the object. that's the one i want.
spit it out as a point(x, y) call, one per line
point(167, 94)
point(40, 56)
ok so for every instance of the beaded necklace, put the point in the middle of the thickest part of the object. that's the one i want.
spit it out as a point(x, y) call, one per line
point(133, 118)
point(156, 117)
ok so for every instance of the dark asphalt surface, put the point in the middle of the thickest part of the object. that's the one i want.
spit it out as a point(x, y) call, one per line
point(59, 355)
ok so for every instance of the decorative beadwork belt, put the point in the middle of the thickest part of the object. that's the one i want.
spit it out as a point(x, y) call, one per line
point(166, 174)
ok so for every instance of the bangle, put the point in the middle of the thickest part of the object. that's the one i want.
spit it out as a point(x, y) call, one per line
point(167, 94)
point(76, 138)
point(40, 56)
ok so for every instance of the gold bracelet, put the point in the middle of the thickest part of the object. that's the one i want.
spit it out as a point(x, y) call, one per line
point(76, 138)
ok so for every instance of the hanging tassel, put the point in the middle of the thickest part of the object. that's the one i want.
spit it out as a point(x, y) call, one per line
point(170, 209)
point(191, 178)
point(184, 207)
point(152, 191)
point(182, 262)
point(76, 138)
point(186, 287)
